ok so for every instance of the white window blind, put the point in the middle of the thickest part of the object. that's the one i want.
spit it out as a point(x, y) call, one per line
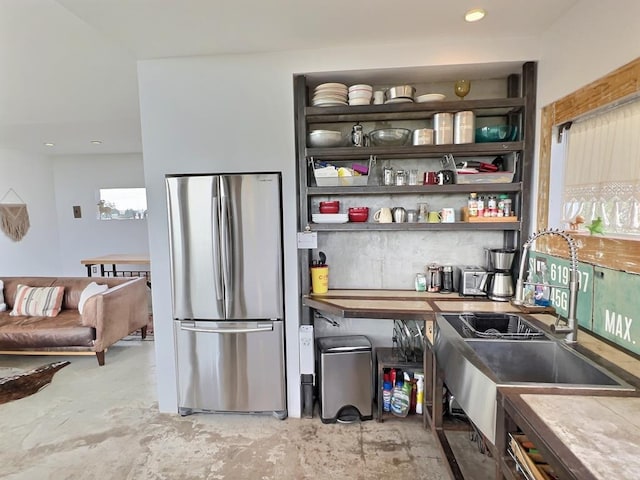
point(602, 174)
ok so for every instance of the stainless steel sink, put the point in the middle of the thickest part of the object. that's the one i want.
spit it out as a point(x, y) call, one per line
point(540, 362)
point(475, 367)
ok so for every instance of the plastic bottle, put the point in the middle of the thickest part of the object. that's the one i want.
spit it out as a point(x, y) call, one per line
point(420, 392)
point(386, 397)
point(400, 399)
point(472, 204)
point(543, 292)
point(413, 395)
point(409, 388)
point(501, 200)
point(529, 290)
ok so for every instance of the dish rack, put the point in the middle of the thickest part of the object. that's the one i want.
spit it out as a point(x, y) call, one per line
point(329, 179)
point(408, 340)
point(494, 326)
point(449, 163)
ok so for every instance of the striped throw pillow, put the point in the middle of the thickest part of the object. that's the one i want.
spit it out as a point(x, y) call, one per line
point(37, 301)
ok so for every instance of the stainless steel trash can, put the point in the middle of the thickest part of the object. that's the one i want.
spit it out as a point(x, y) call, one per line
point(345, 378)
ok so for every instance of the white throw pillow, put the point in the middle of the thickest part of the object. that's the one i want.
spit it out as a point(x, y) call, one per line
point(89, 291)
point(3, 306)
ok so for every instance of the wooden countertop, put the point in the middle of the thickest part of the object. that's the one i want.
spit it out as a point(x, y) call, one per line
point(412, 305)
point(398, 304)
point(601, 432)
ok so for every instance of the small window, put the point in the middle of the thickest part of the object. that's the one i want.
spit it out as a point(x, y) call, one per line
point(122, 204)
point(602, 176)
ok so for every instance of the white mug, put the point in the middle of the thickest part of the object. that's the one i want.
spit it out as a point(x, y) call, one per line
point(448, 215)
point(383, 215)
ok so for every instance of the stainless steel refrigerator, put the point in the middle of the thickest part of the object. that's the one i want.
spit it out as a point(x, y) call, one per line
point(225, 236)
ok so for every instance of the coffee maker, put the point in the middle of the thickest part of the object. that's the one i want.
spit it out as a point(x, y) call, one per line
point(499, 279)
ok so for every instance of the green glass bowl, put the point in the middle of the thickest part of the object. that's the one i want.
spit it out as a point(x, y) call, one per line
point(496, 133)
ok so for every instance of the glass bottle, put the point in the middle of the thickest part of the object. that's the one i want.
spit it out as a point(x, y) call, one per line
point(481, 208)
point(508, 212)
point(472, 204)
point(492, 206)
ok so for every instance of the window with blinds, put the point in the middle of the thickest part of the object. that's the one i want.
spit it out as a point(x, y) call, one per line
point(602, 170)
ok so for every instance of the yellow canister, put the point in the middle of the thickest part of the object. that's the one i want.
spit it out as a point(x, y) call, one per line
point(320, 279)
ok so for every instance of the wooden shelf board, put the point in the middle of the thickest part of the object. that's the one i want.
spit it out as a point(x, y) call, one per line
point(415, 189)
point(492, 219)
point(412, 111)
point(371, 226)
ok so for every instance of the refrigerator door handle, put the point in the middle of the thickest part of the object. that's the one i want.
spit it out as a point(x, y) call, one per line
point(218, 282)
point(258, 328)
point(226, 254)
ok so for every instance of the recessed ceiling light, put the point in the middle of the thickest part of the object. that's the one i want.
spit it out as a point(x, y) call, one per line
point(96, 142)
point(474, 15)
point(49, 144)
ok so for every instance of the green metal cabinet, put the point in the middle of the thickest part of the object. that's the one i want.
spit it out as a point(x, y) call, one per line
point(617, 304)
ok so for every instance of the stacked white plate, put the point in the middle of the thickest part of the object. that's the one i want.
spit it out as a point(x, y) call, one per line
point(360, 94)
point(330, 217)
point(330, 95)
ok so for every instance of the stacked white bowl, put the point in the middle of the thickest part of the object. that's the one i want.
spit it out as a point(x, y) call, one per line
point(330, 95)
point(360, 94)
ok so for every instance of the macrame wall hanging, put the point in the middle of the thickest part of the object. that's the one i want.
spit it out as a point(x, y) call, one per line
point(14, 217)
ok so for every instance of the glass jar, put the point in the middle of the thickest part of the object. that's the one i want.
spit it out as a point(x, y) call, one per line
point(508, 211)
point(501, 205)
point(387, 176)
point(492, 206)
point(401, 177)
point(481, 206)
point(472, 204)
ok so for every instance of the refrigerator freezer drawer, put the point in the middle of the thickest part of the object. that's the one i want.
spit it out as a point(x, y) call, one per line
point(230, 366)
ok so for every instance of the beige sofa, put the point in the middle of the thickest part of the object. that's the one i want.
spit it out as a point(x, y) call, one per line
point(106, 317)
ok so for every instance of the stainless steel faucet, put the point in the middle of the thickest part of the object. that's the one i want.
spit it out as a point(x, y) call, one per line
point(570, 326)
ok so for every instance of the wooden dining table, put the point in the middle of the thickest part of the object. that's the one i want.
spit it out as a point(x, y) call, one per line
point(116, 259)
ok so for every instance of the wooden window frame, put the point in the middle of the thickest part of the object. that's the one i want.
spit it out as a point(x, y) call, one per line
point(618, 254)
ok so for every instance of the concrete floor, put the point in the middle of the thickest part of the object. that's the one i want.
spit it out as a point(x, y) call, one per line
point(102, 422)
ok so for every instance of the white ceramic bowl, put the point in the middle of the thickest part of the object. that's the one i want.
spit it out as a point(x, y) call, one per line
point(361, 86)
point(359, 101)
point(325, 138)
point(359, 94)
point(430, 97)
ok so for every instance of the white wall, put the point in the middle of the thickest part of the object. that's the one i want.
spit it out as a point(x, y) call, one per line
point(50, 186)
point(590, 40)
point(31, 176)
point(235, 113)
point(77, 179)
